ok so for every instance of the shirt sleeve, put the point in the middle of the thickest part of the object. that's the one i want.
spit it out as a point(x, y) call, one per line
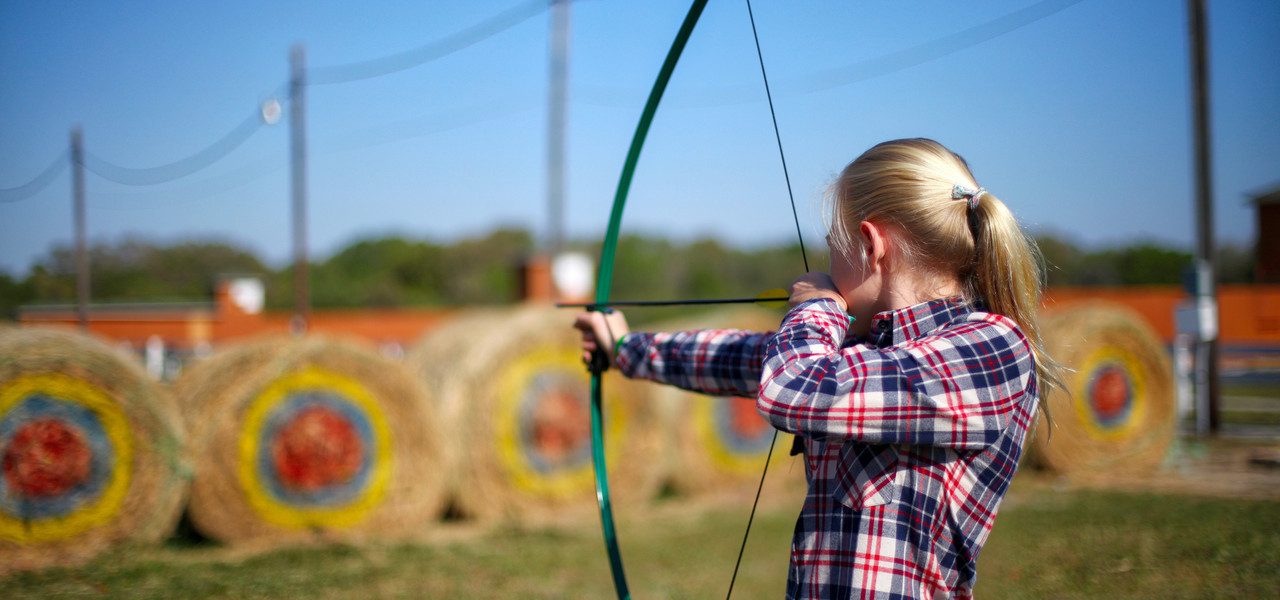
point(955, 388)
point(722, 362)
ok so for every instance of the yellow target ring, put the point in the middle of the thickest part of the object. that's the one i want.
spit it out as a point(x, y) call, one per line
point(517, 389)
point(114, 426)
point(272, 508)
point(1123, 367)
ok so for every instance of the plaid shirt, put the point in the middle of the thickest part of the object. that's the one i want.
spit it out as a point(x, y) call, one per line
point(911, 434)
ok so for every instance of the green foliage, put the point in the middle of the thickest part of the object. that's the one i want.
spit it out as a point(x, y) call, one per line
point(1235, 263)
point(388, 272)
point(13, 293)
point(396, 271)
point(135, 270)
point(650, 269)
point(1142, 263)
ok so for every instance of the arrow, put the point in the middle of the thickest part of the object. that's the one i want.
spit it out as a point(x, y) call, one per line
point(774, 298)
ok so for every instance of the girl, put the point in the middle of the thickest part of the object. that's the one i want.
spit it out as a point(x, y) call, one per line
point(911, 372)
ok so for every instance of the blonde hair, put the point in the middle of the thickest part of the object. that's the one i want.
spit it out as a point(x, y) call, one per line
point(909, 187)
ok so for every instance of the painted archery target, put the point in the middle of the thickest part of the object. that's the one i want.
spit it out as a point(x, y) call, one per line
point(1112, 392)
point(542, 425)
point(1116, 413)
point(736, 436)
point(91, 451)
point(515, 384)
point(315, 450)
point(68, 456)
point(310, 437)
point(719, 444)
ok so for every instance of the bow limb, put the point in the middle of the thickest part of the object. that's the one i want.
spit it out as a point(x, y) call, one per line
point(604, 281)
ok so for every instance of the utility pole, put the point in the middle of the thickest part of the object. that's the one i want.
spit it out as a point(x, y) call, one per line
point(556, 124)
point(298, 154)
point(82, 245)
point(1207, 390)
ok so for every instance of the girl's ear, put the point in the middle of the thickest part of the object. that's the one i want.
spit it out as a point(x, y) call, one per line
point(876, 243)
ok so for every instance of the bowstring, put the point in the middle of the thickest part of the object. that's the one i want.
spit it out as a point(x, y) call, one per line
point(803, 256)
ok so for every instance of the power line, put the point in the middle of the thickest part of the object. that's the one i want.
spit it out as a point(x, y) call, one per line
point(423, 54)
point(41, 181)
point(933, 50)
point(858, 71)
point(181, 168)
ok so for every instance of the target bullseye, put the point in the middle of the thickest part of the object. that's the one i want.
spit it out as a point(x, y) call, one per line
point(543, 432)
point(315, 450)
point(46, 458)
point(1115, 412)
point(1111, 392)
point(65, 458)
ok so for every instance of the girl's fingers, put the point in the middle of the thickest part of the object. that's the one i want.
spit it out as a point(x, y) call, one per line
point(600, 331)
point(813, 285)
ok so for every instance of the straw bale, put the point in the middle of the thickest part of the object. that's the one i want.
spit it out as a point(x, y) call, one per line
point(513, 383)
point(94, 455)
point(719, 444)
point(312, 438)
point(1117, 414)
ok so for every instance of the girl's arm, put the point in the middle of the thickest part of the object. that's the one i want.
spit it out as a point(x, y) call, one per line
point(957, 388)
point(722, 362)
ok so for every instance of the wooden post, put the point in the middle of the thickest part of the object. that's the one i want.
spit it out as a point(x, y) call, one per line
point(78, 215)
point(298, 154)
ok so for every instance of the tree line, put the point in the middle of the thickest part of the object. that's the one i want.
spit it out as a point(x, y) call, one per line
point(402, 272)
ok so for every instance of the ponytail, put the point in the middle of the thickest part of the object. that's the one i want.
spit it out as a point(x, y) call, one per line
point(1006, 275)
point(950, 229)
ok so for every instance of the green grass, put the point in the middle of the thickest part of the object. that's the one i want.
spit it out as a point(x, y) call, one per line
point(1047, 543)
point(1251, 417)
point(1270, 392)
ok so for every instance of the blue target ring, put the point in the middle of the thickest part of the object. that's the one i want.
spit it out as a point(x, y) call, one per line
point(72, 417)
point(553, 410)
point(286, 413)
point(739, 427)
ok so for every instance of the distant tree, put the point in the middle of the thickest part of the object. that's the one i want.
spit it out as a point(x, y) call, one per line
point(1236, 264)
point(1141, 263)
point(486, 270)
point(1150, 264)
point(136, 270)
point(1062, 259)
point(13, 293)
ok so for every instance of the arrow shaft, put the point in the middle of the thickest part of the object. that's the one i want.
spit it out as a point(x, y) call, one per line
point(667, 302)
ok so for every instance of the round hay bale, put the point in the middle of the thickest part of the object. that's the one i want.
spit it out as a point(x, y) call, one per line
point(1116, 414)
point(309, 438)
point(93, 450)
point(514, 384)
point(719, 444)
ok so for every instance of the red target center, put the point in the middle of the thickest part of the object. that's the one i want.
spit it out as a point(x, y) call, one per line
point(744, 419)
point(318, 448)
point(559, 425)
point(46, 458)
point(1110, 392)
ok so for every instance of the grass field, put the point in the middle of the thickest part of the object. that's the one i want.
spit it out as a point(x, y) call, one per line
point(1048, 543)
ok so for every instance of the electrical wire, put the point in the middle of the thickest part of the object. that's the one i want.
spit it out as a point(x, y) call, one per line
point(40, 182)
point(915, 55)
point(853, 72)
point(423, 54)
point(178, 169)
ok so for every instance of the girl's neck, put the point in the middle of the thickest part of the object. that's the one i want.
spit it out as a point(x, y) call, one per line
point(909, 289)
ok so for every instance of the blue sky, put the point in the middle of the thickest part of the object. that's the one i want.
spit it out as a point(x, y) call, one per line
point(1080, 120)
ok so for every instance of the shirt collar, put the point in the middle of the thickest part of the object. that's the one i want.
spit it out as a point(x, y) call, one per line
point(894, 327)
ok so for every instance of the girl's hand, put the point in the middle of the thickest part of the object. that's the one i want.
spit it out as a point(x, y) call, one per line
point(601, 331)
point(814, 285)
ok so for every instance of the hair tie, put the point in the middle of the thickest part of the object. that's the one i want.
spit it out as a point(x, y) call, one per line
point(960, 192)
